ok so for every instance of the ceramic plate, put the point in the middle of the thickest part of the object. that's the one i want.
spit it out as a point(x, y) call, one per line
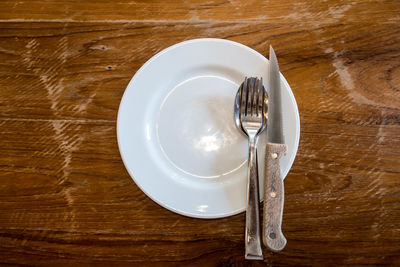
point(176, 130)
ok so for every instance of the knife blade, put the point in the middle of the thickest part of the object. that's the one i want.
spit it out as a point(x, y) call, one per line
point(274, 130)
point(273, 237)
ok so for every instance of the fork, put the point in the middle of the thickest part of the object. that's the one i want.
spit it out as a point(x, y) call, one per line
point(252, 96)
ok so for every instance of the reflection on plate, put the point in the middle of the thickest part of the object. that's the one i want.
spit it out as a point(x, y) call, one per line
point(176, 131)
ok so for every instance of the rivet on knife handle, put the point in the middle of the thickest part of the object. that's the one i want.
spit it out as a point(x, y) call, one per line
point(273, 199)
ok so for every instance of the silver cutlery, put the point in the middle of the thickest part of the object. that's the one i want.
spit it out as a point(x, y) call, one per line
point(273, 237)
point(250, 114)
point(237, 106)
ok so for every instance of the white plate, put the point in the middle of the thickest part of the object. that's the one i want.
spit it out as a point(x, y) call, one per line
point(176, 131)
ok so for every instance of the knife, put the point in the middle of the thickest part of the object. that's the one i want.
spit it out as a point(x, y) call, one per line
point(276, 148)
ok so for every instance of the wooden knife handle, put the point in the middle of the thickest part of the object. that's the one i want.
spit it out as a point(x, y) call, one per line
point(273, 198)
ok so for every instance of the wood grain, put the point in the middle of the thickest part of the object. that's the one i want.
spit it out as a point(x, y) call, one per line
point(193, 11)
point(65, 196)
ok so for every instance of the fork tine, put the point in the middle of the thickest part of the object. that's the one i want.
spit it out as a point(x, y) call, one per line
point(255, 102)
point(250, 95)
point(243, 98)
point(265, 104)
point(261, 96)
point(240, 99)
point(255, 97)
point(259, 104)
point(246, 99)
point(264, 100)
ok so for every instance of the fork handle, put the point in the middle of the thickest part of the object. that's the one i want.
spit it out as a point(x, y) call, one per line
point(273, 199)
point(252, 234)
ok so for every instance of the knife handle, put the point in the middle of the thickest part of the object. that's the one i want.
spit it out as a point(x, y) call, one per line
point(273, 199)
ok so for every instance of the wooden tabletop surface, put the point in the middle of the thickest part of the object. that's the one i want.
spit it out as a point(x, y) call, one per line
point(65, 196)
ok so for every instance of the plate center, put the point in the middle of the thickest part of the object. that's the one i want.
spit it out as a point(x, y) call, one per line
point(196, 129)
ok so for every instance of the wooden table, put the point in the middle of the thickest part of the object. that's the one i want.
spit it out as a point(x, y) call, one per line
point(65, 196)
